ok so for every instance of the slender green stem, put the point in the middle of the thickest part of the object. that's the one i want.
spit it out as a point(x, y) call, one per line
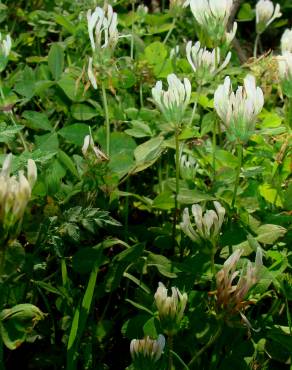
point(170, 352)
point(289, 114)
point(256, 43)
point(199, 90)
point(214, 150)
point(170, 31)
point(107, 122)
point(206, 346)
point(127, 211)
point(132, 31)
point(177, 175)
point(141, 95)
point(160, 185)
point(239, 155)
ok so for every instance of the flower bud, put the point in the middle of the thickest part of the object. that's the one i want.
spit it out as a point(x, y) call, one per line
point(285, 72)
point(170, 308)
point(266, 13)
point(88, 146)
point(175, 100)
point(147, 352)
point(239, 110)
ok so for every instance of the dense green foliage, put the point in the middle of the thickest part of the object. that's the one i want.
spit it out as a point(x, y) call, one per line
point(82, 255)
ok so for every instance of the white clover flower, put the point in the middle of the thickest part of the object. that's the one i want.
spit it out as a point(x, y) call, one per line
point(88, 144)
point(147, 351)
point(91, 74)
point(188, 167)
point(5, 48)
point(170, 308)
point(208, 225)
point(102, 28)
point(233, 285)
point(286, 41)
point(213, 16)
point(266, 13)
point(174, 101)
point(285, 66)
point(239, 110)
point(15, 193)
point(206, 64)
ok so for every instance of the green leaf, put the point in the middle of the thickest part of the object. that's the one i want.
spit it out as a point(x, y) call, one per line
point(72, 88)
point(47, 142)
point(246, 13)
point(83, 112)
point(68, 163)
point(75, 133)
point(155, 53)
point(86, 258)
point(164, 200)
point(149, 151)
point(37, 120)
point(270, 195)
point(17, 322)
point(56, 61)
point(7, 133)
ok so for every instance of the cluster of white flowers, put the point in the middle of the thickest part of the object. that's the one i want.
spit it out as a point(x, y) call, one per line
point(213, 16)
point(266, 13)
point(15, 192)
point(174, 101)
point(103, 35)
point(147, 351)
point(285, 62)
point(231, 293)
point(239, 110)
point(5, 48)
point(205, 64)
point(102, 28)
point(170, 308)
point(88, 143)
point(188, 167)
point(208, 225)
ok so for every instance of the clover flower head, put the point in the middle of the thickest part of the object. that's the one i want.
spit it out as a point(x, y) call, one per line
point(188, 167)
point(286, 41)
point(15, 193)
point(147, 352)
point(208, 225)
point(234, 284)
point(102, 28)
point(170, 308)
point(173, 102)
point(89, 146)
point(5, 48)
point(239, 110)
point(205, 64)
point(213, 16)
point(285, 66)
point(266, 13)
